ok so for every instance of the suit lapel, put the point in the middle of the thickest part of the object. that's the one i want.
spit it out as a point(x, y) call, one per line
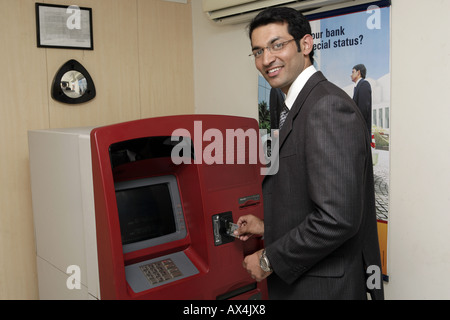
point(298, 104)
point(315, 79)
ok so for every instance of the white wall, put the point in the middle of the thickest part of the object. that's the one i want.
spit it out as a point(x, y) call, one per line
point(226, 81)
point(419, 225)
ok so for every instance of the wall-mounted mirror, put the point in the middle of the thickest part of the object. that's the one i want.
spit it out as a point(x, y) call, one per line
point(73, 84)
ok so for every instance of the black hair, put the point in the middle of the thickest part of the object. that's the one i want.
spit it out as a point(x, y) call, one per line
point(298, 25)
point(362, 69)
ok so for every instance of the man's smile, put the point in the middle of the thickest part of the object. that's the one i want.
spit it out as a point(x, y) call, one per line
point(273, 71)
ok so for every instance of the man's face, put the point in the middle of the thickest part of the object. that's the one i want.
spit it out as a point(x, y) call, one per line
point(280, 68)
point(355, 75)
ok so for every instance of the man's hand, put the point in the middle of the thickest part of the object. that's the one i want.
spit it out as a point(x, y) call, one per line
point(251, 263)
point(249, 225)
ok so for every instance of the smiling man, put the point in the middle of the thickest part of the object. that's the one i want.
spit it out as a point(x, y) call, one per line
point(319, 223)
point(277, 54)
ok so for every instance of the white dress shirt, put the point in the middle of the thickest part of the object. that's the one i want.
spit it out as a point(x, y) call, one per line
point(298, 85)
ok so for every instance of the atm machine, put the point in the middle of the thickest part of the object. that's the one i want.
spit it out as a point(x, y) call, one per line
point(145, 209)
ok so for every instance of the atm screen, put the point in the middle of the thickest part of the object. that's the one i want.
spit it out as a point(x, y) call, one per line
point(145, 213)
point(150, 212)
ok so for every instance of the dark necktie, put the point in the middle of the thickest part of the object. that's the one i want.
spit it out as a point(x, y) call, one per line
point(283, 115)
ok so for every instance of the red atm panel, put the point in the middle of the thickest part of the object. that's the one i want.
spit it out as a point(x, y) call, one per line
point(165, 189)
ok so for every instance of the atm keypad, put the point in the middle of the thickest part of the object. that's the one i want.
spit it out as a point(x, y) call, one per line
point(160, 271)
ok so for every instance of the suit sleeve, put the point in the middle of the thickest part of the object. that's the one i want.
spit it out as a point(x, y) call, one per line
point(335, 156)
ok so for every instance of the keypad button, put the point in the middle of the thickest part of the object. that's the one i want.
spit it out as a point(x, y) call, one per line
point(160, 271)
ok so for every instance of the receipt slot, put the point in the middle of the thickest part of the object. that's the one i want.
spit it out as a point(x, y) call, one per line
point(165, 191)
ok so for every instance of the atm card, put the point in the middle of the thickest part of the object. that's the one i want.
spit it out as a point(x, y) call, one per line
point(231, 228)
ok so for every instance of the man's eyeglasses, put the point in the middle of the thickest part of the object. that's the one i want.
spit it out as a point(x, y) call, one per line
point(258, 53)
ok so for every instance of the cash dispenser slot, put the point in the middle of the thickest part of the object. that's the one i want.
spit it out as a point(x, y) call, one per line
point(249, 291)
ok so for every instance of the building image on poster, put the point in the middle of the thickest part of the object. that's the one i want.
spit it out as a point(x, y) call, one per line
point(341, 42)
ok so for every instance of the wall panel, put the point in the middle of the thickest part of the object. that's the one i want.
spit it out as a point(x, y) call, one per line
point(166, 58)
point(23, 105)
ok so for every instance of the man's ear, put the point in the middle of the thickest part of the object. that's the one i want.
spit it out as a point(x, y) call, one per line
point(307, 44)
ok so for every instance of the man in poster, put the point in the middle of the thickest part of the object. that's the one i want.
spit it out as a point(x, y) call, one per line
point(363, 94)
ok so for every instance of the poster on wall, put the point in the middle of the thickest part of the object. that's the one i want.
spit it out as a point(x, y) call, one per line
point(345, 39)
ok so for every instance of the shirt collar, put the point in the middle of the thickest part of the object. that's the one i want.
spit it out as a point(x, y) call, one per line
point(298, 85)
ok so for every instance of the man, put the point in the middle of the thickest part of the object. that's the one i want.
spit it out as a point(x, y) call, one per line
point(363, 94)
point(319, 223)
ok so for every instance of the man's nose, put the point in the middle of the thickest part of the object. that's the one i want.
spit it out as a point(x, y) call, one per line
point(268, 57)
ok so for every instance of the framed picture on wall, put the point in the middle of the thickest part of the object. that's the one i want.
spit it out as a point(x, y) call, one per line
point(65, 27)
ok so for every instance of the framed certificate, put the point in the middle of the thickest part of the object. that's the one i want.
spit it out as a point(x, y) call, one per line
point(66, 27)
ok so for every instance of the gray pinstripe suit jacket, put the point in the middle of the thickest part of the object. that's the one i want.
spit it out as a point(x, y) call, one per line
point(319, 209)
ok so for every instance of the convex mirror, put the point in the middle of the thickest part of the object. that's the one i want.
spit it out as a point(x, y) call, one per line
point(73, 84)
